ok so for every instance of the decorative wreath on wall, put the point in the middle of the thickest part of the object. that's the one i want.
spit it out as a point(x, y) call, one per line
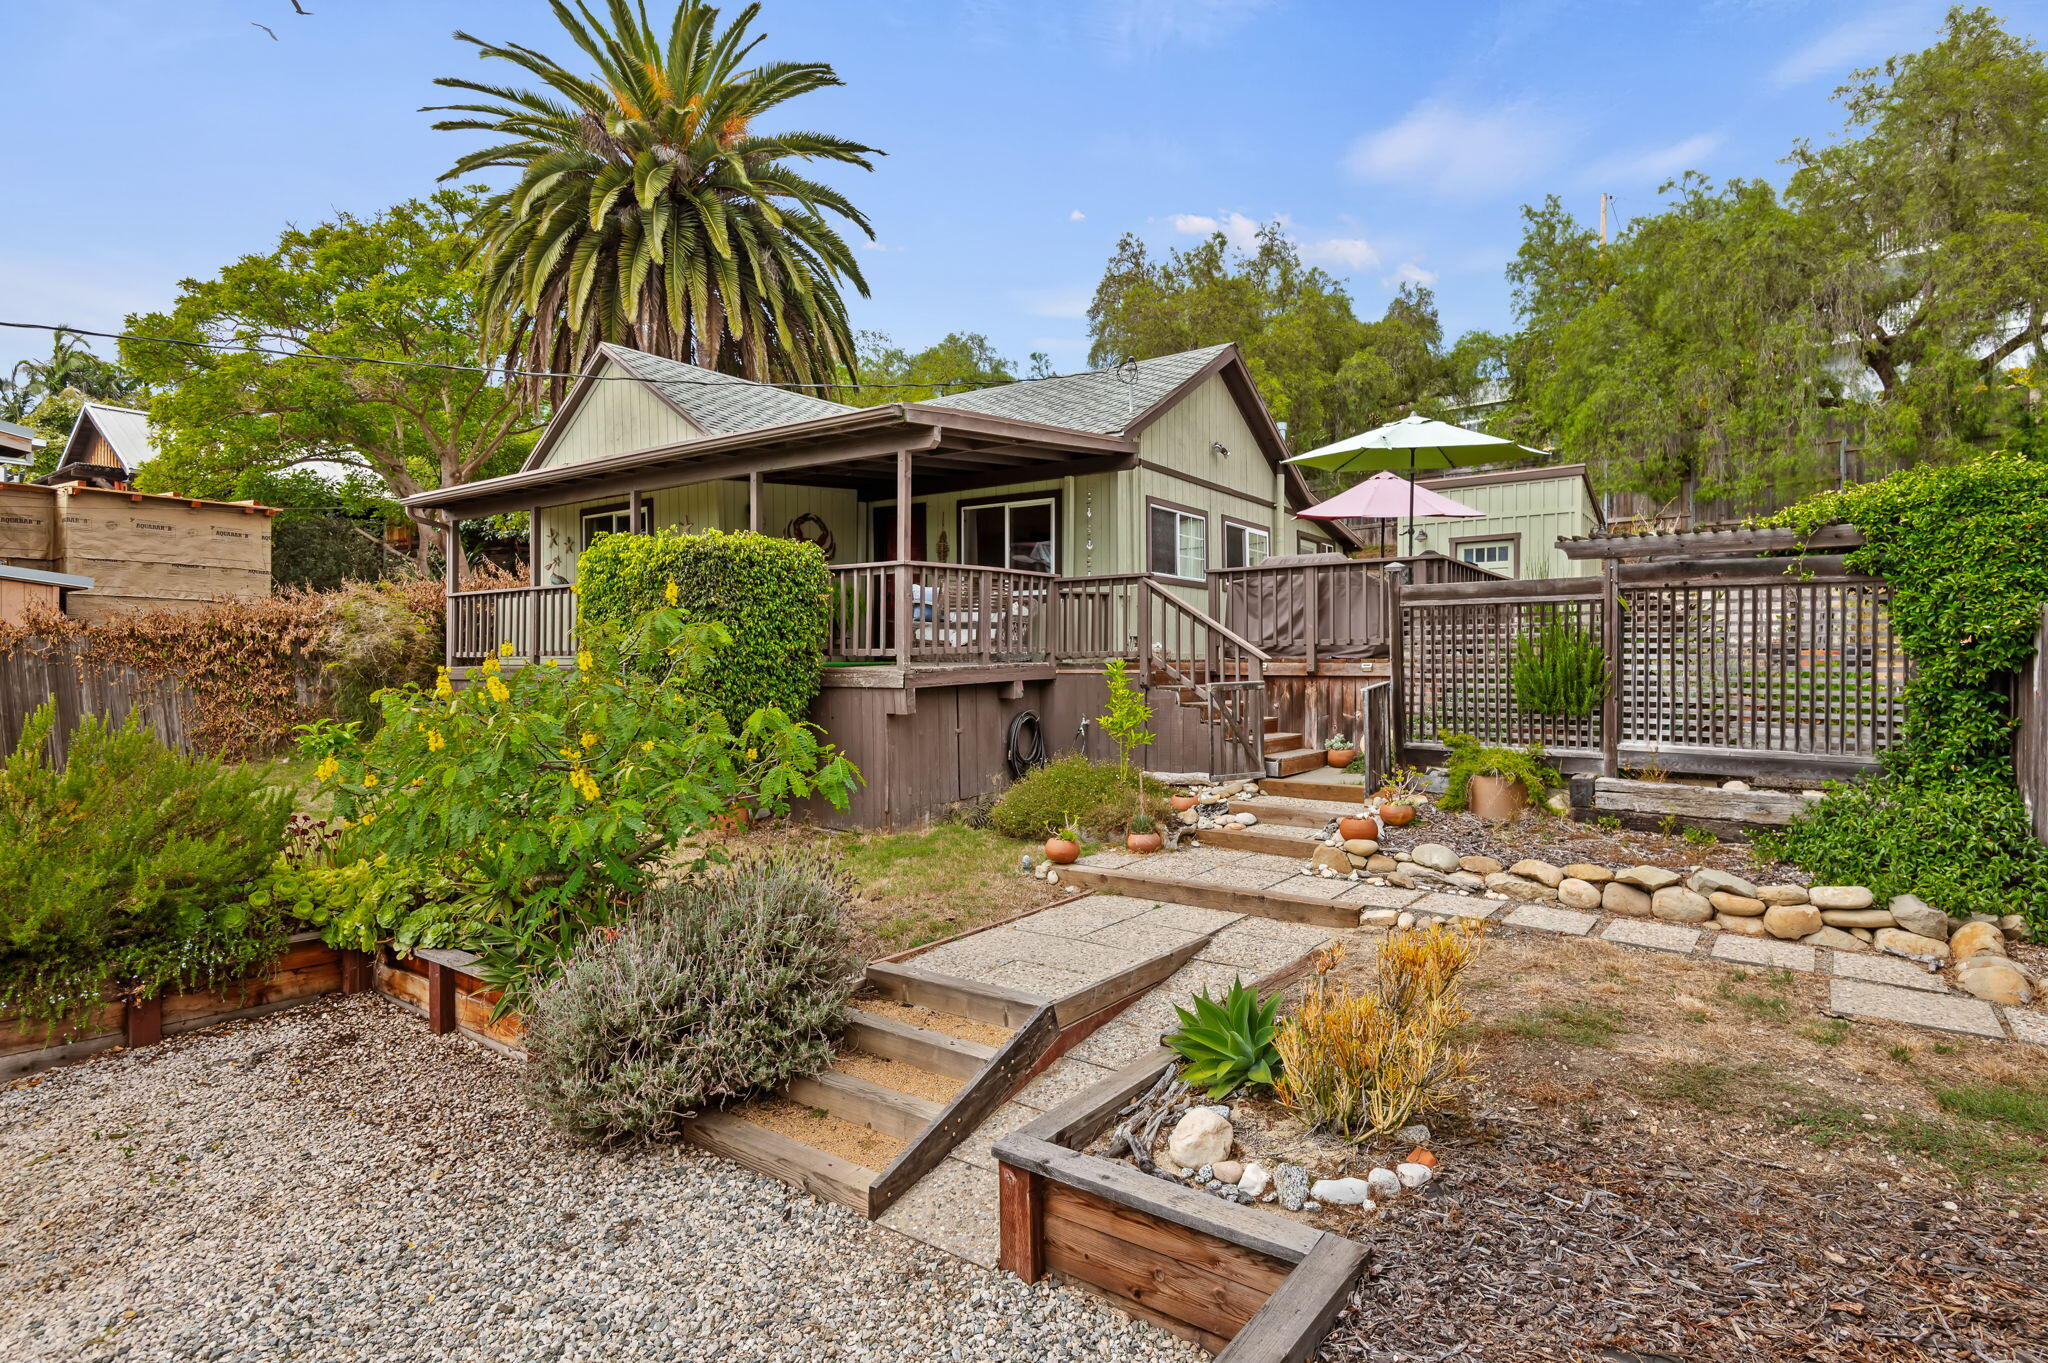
point(811, 529)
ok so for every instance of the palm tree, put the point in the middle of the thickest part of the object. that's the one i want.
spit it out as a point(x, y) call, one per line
point(649, 212)
point(71, 365)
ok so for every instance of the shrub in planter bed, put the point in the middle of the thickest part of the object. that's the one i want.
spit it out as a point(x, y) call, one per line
point(1097, 797)
point(128, 865)
point(718, 988)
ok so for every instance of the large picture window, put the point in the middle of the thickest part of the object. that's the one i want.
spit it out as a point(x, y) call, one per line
point(1245, 545)
point(1177, 542)
point(1020, 535)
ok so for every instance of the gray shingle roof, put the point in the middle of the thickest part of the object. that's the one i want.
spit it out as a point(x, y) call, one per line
point(1102, 401)
point(724, 404)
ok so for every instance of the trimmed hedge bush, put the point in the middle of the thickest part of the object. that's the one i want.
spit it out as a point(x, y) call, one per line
point(773, 595)
point(720, 988)
point(130, 865)
point(1098, 797)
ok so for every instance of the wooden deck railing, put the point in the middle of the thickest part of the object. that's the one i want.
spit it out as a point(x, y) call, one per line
point(957, 613)
point(1328, 607)
point(536, 622)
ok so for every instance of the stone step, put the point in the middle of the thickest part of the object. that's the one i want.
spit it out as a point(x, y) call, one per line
point(1282, 905)
point(905, 982)
point(1293, 762)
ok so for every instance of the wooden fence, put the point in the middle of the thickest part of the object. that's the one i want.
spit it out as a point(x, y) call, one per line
point(36, 672)
point(2030, 739)
point(1739, 667)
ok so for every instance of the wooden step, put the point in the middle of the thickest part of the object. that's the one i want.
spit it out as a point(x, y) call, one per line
point(1282, 740)
point(905, 983)
point(889, 1111)
point(920, 1046)
point(1276, 904)
point(1349, 792)
point(1294, 761)
point(819, 1172)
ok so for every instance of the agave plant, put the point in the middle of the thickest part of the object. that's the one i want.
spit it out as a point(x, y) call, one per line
point(1229, 1044)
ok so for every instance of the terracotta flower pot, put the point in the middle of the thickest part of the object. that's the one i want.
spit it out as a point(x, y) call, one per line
point(1183, 802)
point(1397, 815)
point(1498, 798)
point(1061, 851)
point(1144, 842)
point(1357, 826)
point(1342, 757)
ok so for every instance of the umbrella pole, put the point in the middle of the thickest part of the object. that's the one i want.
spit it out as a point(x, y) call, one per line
point(1411, 503)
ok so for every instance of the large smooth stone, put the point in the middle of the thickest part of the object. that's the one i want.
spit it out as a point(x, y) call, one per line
point(1915, 914)
point(1840, 897)
point(1993, 979)
point(1651, 878)
point(1977, 939)
point(1859, 918)
point(1588, 872)
point(1707, 880)
point(1837, 939)
point(1413, 1175)
point(1625, 900)
point(1341, 1192)
point(1201, 1137)
point(1333, 858)
point(1791, 921)
point(1574, 893)
point(1435, 856)
point(1255, 1180)
point(1741, 927)
point(1737, 905)
point(1528, 891)
point(1676, 904)
point(1480, 865)
point(1542, 871)
point(1781, 894)
point(1900, 942)
point(1385, 1184)
point(1363, 847)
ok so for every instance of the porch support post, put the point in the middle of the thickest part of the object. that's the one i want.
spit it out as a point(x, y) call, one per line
point(533, 579)
point(636, 515)
point(533, 546)
point(451, 574)
point(754, 501)
point(1610, 642)
point(904, 624)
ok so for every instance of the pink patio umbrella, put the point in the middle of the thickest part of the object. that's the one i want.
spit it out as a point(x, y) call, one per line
point(1387, 496)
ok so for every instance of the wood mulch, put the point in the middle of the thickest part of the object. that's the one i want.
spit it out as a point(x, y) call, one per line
point(1551, 1245)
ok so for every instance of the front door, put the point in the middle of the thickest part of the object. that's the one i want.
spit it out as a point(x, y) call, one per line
point(883, 526)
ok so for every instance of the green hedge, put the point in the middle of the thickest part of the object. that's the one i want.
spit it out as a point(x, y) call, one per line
point(772, 594)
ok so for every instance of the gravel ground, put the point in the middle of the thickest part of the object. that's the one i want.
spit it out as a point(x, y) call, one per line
point(334, 1183)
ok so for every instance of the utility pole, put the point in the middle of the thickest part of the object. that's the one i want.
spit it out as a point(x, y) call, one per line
point(1604, 197)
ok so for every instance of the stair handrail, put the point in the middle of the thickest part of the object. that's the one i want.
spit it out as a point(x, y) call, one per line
point(1254, 657)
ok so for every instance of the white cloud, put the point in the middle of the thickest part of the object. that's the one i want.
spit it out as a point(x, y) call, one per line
point(1870, 35)
point(1458, 151)
point(1347, 253)
point(1240, 231)
point(1655, 164)
point(1076, 216)
point(1054, 302)
point(1127, 28)
point(1408, 272)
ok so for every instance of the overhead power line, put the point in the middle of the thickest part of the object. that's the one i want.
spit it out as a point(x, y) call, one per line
point(238, 347)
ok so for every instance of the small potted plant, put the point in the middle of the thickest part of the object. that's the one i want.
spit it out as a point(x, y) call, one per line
point(1340, 751)
point(1396, 799)
point(1495, 783)
point(1183, 803)
point(1354, 826)
point(1064, 846)
point(1144, 835)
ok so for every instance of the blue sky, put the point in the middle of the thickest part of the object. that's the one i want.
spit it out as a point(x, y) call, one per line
point(156, 140)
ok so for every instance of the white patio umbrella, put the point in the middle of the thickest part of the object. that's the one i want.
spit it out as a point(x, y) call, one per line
point(1413, 443)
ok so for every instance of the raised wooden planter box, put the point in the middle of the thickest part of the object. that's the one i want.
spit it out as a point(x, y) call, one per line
point(1245, 1284)
point(446, 986)
point(307, 970)
point(1647, 804)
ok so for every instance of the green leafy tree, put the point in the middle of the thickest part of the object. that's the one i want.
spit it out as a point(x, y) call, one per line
point(650, 209)
point(71, 366)
point(1320, 369)
point(1884, 295)
point(338, 299)
point(893, 374)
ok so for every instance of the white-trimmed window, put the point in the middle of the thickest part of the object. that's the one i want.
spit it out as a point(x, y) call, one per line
point(1177, 542)
point(1019, 535)
point(1244, 545)
point(1496, 555)
point(608, 520)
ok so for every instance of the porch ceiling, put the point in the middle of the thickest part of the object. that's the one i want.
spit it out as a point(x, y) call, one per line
point(949, 450)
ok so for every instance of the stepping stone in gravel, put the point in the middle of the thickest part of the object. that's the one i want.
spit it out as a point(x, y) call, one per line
point(1656, 936)
point(2030, 1027)
point(1651, 878)
point(1888, 970)
point(1766, 951)
point(1972, 1017)
point(1546, 919)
